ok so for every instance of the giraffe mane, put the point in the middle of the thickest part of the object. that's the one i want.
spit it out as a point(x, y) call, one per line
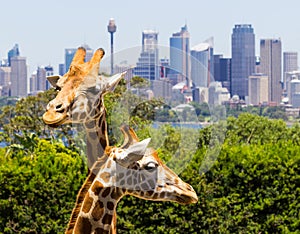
point(84, 189)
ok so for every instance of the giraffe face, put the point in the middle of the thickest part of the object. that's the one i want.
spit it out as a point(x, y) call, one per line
point(141, 173)
point(78, 91)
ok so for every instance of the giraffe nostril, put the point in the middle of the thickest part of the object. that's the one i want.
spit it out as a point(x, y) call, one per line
point(59, 108)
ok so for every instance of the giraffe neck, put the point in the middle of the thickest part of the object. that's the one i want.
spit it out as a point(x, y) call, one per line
point(95, 209)
point(97, 135)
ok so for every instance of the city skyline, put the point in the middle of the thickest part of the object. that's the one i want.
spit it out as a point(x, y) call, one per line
point(43, 32)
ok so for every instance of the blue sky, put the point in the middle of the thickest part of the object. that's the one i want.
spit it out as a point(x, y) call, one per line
point(43, 29)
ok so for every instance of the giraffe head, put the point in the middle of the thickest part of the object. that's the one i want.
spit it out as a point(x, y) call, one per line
point(132, 169)
point(138, 171)
point(79, 90)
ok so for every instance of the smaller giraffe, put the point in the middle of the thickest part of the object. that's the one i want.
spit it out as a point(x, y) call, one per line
point(132, 169)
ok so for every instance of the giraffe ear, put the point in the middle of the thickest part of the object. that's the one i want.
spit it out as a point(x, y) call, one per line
point(53, 80)
point(112, 81)
point(133, 153)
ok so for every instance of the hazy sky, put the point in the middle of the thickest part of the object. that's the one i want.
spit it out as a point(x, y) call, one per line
point(43, 29)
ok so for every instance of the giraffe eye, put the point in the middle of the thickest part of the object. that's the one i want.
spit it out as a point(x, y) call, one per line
point(150, 166)
point(57, 88)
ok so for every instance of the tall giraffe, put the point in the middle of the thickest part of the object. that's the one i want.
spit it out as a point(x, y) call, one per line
point(80, 100)
point(132, 169)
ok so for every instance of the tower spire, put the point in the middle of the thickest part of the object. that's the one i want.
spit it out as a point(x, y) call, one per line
point(111, 28)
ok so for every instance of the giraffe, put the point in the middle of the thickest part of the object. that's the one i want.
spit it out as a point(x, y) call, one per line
point(80, 100)
point(132, 169)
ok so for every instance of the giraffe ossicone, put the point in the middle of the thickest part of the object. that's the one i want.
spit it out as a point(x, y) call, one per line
point(80, 100)
point(79, 90)
point(132, 169)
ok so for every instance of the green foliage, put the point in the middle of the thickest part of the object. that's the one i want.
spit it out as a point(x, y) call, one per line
point(139, 82)
point(38, 186)
point(25, 117)
point(245, 171)
point(252, 187)
point(272, 112)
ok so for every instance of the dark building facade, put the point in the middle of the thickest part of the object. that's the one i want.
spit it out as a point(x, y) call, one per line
point(243, 59)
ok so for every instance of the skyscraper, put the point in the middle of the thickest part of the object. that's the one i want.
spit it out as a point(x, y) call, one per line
point(258, 89)
point(202, 63)
point(18, 76)
point(180, 55)
point(5, 73)
point(225, 73)
point(69, 54)
point(13, 53)
point(49, 72)
point(148, 64)
point(217, 75)
point(270, 64)
point(290, 64)
point(61, 69)
point(41, 79)
point(243, 58)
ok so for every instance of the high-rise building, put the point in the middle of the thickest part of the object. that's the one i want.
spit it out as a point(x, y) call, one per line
point(243, 58)
point(225, 73)
point(5, 73)
point(38, 80)
point(33, 83)
point(164, 67)
point(180, 56)
point(41, 79)
point(258, 89)
point(290, 64)
point(18, 76)
point(148, 64)
point(13, 53)
point(61, 69)
point(270, 64)
point(291, 80)
point(295, 93)
point(49, 72)
point(202, 63)
point(69, 54)
point(217, 75)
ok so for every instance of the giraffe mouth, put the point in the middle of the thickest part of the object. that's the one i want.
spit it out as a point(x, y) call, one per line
point(187, 198)
point(186, 195)
point(55, 119)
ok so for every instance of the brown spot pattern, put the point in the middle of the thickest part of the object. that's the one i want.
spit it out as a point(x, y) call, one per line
point(97, 187)
point(105, 176)
point(107, 219)
point(106, 192)
point(84, 226)
point(110, 205)
point(87, 204)
point(98, 211)
point(101, 231)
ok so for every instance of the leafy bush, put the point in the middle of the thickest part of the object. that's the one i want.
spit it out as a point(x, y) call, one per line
point(252, 187)
point(38, 188)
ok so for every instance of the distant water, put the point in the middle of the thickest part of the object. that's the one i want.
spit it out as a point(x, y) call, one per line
point(193, 125)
